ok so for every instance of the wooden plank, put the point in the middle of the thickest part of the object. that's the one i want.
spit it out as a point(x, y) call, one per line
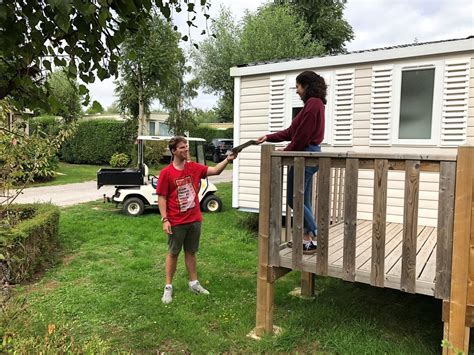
point(265, 289)
point(350, 219)
point(444, 249)
point(379, 223)
point(298, 212)
point(288, 229)
point(364, 257)
point(429, 270)
point(469, 314)
point(356, 155)
point(458, 334)
point(340, 202)
point(362, 234)
point(334, 180)
point(410, 222)
point(307, 284)
point(423, 256)
point(393, 263)
point(275, 211)
point(323, 215)
point(274, 273)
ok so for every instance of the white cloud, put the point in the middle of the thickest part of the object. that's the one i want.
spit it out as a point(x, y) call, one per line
point(376, 23)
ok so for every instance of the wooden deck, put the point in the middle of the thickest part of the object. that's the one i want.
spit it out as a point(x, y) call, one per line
point(425, 255)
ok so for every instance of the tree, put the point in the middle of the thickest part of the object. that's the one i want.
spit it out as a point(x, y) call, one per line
point(82, 36)
point(64, 92)
point(215, 56)
point(326, 22)
point(272, 33)
point(178, 101)
point(95, 108)
point(148, 64)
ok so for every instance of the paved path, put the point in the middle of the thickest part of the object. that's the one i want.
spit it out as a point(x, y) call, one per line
point(71, 194)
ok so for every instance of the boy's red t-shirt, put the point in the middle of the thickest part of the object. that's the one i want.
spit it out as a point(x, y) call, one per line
point(181, 188)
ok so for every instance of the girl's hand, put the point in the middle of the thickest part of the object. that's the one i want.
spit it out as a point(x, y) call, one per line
point(261, 139)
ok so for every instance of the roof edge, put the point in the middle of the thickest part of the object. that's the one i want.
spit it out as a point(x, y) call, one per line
point(441, 47)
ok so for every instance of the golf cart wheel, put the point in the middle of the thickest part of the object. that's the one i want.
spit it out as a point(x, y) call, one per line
point(216, 158)
point(133, 206)
point(211, 203)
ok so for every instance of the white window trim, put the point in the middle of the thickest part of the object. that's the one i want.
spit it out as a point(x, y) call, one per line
point(328, 113)
point(438, 65)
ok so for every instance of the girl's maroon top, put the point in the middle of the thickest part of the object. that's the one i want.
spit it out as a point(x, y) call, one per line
point(307, 127)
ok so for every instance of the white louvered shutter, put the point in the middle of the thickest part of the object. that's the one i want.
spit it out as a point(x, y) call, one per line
point(343, 107)
point(381, 106)
point(277, 103)
point(455, 102)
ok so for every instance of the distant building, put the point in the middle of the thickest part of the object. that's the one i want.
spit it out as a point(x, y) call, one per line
point(155, 123)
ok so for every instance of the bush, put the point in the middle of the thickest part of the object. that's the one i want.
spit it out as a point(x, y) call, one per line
point(119, 160)
point(95, 141)
point(45, 124)
point(27, 239)
point(154, 152)
point(209, 133)
point(27, 158)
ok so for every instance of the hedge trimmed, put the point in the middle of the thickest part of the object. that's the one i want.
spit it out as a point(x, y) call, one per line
point(209, 133)
point(95, 141)
point(27, 245)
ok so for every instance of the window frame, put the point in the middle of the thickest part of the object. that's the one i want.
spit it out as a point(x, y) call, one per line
point(398, 69)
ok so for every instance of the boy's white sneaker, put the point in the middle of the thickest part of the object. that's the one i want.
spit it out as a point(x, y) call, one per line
point(167, 295)
point(197, 288)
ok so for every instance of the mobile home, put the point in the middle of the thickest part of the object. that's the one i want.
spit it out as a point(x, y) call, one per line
point(415, 98)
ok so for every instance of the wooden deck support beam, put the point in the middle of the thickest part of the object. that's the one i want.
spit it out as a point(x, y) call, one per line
point(456, 331)
point(265, 289)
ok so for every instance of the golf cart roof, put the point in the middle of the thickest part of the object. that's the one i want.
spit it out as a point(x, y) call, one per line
point(167, 138)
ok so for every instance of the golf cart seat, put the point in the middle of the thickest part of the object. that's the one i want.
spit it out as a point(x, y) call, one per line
point(154, 181)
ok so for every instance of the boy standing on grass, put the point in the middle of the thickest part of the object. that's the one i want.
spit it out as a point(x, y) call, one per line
point(178, 201)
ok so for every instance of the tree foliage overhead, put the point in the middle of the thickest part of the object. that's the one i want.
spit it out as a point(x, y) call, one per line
point(271, 33)
point(148, 68)
point(326, 22)
point(82, 36)
point(64, 93)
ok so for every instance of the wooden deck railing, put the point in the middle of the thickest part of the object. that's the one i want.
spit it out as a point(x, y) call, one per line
point(335, 197)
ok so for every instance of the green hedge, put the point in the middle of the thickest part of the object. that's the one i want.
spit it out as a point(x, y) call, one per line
point(95, 141)
point(28, 235)
point(209, 133)
point(47, 124)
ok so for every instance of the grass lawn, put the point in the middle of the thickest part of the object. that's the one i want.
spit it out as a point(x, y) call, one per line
point(104, 295)
point(70, 173)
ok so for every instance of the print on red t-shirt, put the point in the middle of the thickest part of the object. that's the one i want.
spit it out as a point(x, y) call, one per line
point(186, 194)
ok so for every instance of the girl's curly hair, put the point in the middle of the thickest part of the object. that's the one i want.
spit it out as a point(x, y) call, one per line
point(313, 84)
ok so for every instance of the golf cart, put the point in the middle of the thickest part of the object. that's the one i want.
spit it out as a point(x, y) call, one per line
point(135, 189)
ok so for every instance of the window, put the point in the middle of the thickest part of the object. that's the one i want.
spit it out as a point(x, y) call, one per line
point(416, 104)
point(164, 130)
point(151, 128)
point(417, 99)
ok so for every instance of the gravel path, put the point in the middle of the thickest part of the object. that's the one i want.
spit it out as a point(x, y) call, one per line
point(71, 194)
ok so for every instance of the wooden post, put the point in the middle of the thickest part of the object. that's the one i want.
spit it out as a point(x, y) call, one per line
point(377, 273)
point(307, 284)
point(264, 318)
point(456, 331)
point(350, 220)
point(410, 226)
point(298, 213)
point(324, 191)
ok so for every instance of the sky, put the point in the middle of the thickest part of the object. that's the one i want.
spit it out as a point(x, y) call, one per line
point(376, 23)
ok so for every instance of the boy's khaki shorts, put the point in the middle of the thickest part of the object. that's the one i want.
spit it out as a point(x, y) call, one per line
point(184, 236)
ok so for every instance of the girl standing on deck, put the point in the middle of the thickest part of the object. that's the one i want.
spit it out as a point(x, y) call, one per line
point(305, 133)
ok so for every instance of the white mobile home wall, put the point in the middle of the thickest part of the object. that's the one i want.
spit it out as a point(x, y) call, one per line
point(357, 119)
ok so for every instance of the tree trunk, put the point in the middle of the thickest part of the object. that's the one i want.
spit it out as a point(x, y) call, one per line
point(141, 104)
